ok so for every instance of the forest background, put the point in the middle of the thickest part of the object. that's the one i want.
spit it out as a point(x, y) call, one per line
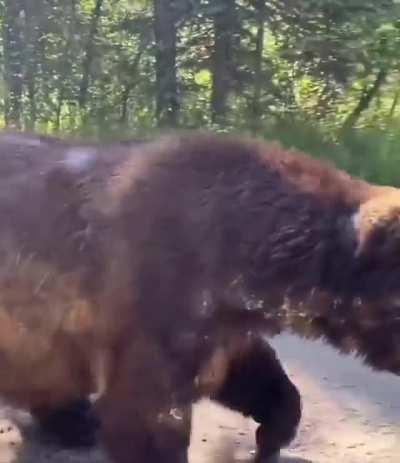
point(319, 75)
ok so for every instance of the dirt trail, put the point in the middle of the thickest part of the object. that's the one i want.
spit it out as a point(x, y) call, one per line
point(351, 415)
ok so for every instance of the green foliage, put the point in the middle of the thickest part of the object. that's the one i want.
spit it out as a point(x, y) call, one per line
point(371, 154)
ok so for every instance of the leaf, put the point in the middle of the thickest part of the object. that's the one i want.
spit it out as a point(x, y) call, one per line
point(203, 78)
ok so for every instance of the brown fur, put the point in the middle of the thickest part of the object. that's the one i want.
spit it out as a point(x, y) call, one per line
point(149, 274)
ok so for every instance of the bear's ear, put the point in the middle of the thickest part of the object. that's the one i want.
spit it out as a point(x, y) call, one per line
point(377, 214)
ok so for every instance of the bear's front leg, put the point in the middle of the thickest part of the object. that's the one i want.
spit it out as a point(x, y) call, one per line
point(143, 419)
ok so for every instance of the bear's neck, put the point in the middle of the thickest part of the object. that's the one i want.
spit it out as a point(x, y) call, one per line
point(326, 296)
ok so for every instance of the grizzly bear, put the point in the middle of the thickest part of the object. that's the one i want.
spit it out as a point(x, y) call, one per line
point(149, 274)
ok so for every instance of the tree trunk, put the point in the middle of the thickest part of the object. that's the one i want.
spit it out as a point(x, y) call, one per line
point(258, 77)
point(13, 59)
point(167, 99)
point(127, 88)
point(33, 12)
point(124, 105)
point(366, 98)
point(67, 60)
point(89, 55)
point(224, 20)
point(61, 96)
point(393, 107)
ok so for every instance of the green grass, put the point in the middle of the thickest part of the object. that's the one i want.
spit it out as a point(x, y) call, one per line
point(370, 154)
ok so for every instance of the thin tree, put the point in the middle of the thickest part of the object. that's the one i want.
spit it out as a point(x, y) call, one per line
point(224, 26)
point(165, 30)
point(128, 86)
point(13, 40)
point(33, 13)
point(365, 100)
point(260, 9)
point(89, 54)
point(67, 58)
